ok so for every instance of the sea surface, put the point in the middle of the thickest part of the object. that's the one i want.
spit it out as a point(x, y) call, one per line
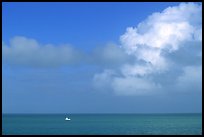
point(102, 124)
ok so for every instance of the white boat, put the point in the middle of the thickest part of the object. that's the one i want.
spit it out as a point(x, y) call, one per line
point(67, 118)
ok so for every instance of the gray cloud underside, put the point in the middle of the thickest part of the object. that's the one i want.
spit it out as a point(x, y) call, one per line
point(167, 49)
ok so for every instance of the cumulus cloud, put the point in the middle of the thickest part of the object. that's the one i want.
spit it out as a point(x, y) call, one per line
point(164, 50)
point(191, 79)
point(163, 31)
point(133, 86)
point(28, 52)
point(25, 51)
point(164, 41)
point(110, 56)
point(102, 80)
point(190, 54)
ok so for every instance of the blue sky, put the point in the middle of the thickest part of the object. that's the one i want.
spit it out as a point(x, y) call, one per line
point(102, 57)
point(84, 25)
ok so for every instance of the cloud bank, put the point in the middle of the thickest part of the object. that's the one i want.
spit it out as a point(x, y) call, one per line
point(28, 52)
point(154, 43)
point(164, 50)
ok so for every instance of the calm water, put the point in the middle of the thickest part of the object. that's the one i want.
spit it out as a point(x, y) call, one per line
point(113, 124)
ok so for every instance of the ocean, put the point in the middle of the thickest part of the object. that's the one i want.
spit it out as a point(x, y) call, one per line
point(102, 124)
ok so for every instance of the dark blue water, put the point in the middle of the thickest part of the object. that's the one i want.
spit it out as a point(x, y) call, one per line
point(103, 124)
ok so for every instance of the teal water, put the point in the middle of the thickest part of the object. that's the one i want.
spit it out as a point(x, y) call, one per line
point(102, 124)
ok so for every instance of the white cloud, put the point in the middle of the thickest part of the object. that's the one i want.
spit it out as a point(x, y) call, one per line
point(133, 86)
point(135, 70)
point(109, 55)
point(102, 80)
point(164, 41)
point(28, 52)
point(154, 42)
point(191, 79)
point(130, 85)
point(163, 31)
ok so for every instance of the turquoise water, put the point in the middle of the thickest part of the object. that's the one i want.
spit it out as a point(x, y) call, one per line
point(102, 124)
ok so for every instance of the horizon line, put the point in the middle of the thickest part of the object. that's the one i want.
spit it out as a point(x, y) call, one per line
point(115, 113)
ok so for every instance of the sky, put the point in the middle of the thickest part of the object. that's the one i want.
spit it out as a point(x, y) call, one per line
point(66, 57)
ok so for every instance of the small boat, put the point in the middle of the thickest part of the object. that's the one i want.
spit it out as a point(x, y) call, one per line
point(67, 118)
